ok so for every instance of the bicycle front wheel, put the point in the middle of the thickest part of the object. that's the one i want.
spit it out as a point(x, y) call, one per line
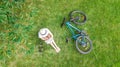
point(84, 46)
point(78, 17)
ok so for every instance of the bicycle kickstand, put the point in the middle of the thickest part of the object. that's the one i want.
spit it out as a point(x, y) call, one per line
point(67, 39)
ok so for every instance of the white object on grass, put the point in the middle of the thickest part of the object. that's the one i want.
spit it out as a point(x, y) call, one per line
point(47, 36)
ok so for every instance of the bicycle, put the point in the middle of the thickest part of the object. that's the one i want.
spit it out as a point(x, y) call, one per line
point(83, 42)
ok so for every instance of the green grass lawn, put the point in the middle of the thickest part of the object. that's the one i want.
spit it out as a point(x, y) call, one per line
point(21, 47)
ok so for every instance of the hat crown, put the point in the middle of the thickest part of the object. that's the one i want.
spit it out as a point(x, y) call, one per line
point(43, 31)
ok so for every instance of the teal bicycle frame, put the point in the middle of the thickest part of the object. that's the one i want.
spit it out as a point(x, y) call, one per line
point(72, 28)
point(75, 36)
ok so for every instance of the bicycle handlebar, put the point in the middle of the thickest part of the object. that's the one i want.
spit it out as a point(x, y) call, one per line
point(63, 22)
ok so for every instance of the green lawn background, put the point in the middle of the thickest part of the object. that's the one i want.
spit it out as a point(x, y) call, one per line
point(21, 47)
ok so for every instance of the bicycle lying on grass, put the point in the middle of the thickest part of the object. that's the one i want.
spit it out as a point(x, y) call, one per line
point(83, 42)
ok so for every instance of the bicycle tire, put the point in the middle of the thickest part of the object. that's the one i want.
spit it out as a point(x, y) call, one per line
point(90, 45)
point(79, 19)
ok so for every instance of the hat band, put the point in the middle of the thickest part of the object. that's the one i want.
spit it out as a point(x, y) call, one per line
point(44, 33)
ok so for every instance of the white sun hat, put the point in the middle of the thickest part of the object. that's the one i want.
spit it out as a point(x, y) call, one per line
point(43, 32)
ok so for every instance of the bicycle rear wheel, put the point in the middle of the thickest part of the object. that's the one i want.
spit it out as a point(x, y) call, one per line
point(85, 46)
point(78, 17)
